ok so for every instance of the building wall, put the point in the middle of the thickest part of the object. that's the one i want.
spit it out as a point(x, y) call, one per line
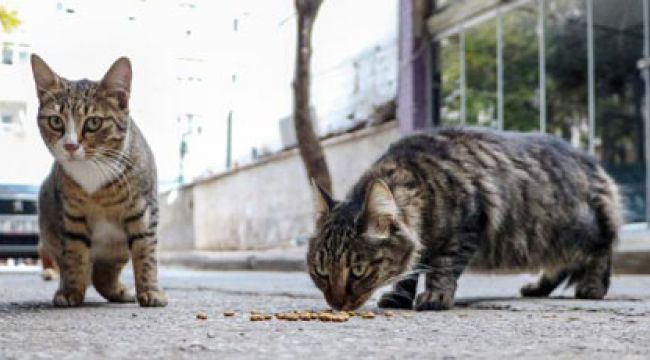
point(175, 227)
point(267, 204)
point(19, 133)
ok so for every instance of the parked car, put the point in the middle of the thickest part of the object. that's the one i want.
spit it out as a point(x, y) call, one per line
point(18, 221)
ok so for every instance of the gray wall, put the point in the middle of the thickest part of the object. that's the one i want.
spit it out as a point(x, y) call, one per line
point(176, 222)
point(267, 204)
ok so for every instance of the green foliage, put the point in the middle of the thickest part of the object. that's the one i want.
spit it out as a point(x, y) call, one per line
point(566, 82)
point(481, 72)
point(8, 19)
point(521, 70)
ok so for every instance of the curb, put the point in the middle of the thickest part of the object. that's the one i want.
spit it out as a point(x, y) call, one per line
point(631, 262)
point(624, 262)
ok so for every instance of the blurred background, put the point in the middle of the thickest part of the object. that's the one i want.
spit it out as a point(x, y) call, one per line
point(197, 64)
point(212, 92)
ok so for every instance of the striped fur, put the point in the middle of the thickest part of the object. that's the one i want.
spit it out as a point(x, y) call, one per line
point(462, 197)
point(98, 206)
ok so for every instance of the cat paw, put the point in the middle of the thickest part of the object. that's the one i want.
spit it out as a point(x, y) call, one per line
point(533, 290)
point(434, 300)
point(68, 298)
point(49, 274)
point(395, 300)
point(152, 298)
point(590, 292)
point(121, 296)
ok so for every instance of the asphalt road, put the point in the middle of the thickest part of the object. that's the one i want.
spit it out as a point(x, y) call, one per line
point(489, 321)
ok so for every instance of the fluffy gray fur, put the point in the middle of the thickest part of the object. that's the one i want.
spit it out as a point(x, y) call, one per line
point(436, 203)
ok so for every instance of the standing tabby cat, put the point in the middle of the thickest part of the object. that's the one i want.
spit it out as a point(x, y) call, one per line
point(99, 201)
point(438, 202)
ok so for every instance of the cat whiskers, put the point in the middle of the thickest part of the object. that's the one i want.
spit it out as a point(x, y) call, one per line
point(119, 161)
point(117, 173)
point(106, 171)
point(118, 156)
point(106, 165)
point(100, 168)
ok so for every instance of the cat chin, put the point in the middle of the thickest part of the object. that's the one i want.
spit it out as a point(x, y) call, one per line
point(87, 174)
point(70, 161)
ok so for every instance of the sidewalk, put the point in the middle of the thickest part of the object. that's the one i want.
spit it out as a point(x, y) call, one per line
point(632, 257)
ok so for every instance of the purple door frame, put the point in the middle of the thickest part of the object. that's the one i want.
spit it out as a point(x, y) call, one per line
point(417, 83)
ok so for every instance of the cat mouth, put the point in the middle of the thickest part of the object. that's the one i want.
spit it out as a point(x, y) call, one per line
point(358, 302)
point(74, 157)
point(349, 304)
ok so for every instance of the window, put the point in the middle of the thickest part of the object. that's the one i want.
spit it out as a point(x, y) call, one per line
point(7, 54)
point(521, 69)
point(450, 61)
point(481, 70)
point(567, 112)
point(619, 140)
point(469, 78)
point(23, 56)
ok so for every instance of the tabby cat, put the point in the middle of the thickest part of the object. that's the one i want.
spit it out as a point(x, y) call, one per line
point(98, 203)
point(436, 203)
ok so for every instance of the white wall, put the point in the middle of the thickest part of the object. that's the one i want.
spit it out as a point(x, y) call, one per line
point(268, 204)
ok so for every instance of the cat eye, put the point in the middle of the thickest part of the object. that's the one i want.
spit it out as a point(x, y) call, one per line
point(55, 122)
point(359, 270)
point(321, 271)
point(93, 123)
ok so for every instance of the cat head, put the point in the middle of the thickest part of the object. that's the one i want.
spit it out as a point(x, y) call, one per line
point(358, 245)
point(83, 120)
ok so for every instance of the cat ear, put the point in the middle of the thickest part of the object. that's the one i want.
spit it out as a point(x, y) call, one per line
point(45, 78)
point(323, 203)
point(380, 209)
point(117, 82)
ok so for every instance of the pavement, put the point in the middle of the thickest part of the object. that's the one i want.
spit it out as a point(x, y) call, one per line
point(489, 321)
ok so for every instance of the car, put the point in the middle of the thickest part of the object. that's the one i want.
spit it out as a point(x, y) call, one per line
point(18, 221)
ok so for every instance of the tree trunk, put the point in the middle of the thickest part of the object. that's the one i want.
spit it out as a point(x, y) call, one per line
point(310, 148)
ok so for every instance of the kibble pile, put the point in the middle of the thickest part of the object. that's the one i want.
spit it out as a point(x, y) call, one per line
point(305, 315)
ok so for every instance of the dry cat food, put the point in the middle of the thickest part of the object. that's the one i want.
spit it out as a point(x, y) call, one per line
point(310, 315)
point(257, 317)
point(368, 315)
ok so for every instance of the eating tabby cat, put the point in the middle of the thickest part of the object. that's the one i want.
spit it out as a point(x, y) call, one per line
point(435, 203)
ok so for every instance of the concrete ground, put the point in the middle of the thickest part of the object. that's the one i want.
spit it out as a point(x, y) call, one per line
point(489, 321)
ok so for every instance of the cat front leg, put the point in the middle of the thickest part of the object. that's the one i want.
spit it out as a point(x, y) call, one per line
point(446, 266)
point(75, 270)
point(141, 232)
point(439, 293)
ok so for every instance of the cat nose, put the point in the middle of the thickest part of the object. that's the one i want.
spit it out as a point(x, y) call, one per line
point(70, 147)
